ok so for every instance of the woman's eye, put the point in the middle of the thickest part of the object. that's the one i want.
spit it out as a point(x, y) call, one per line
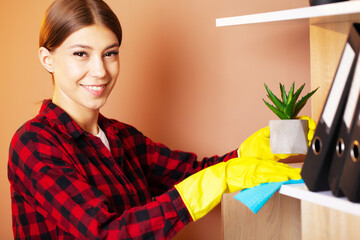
point(79, 54)
point(112, 53)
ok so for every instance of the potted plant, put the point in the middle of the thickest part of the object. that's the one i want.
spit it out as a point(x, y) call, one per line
point(288, 135)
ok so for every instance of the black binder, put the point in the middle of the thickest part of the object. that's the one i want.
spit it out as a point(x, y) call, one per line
point(347, 123)
point(317, 162)
point(349, 181)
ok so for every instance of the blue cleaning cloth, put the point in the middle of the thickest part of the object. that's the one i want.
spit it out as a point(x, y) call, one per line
point(256, 197)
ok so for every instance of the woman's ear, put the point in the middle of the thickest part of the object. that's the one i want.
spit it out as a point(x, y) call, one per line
point(46, 59)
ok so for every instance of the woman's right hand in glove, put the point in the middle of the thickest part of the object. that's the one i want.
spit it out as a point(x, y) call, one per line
point(202, 191)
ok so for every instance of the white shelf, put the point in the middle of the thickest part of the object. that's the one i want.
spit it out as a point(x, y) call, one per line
point(325, 198)
point(341, 11)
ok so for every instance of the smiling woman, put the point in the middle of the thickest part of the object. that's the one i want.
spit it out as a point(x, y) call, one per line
point(75, 174)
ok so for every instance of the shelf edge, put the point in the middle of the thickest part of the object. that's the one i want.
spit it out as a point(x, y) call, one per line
point(334, 9)
point(326, 199)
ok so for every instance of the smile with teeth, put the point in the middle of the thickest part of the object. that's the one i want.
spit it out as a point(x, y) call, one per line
point(94, 89)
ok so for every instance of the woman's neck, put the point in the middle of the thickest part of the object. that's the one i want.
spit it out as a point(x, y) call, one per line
point(87, 119)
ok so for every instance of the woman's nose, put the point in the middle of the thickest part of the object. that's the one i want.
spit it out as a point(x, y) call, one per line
point(97, 68)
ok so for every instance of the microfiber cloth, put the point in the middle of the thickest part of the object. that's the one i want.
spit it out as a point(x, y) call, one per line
point(256, 197)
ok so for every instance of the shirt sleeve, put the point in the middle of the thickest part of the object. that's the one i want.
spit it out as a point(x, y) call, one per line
point(165, 167)
point(57, 192)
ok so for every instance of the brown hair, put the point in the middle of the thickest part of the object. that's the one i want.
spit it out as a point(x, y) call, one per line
point(64, 17)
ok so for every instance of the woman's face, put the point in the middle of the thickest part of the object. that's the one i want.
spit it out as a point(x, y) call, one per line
point(85, 68)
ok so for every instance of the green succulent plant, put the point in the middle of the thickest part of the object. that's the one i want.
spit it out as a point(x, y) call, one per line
point(289, 106)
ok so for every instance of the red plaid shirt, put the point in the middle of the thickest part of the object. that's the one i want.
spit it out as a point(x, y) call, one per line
point(65, 184)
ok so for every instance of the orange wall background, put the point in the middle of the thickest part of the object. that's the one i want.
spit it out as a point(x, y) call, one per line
point(183, 82)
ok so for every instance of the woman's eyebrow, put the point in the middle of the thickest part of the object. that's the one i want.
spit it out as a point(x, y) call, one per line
point(88, 47)
point(80, 46)
point(113, 45)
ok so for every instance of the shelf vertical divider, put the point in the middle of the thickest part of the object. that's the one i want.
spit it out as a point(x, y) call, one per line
point(327, 41)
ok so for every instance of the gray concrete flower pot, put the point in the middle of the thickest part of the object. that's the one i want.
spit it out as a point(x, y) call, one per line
point(288, 136)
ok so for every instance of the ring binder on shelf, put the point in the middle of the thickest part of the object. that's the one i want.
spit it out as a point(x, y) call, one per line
point(317, 162)
point(341, 150)
point(349, 181)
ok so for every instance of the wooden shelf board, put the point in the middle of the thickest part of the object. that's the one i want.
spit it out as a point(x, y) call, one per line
point(335, 12)
point(325, 198)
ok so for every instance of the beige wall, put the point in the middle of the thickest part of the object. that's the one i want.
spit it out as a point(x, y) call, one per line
point(183, 81)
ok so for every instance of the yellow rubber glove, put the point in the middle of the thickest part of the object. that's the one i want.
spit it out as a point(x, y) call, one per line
point(258, 144)
point(202, 191)
point(312, 127)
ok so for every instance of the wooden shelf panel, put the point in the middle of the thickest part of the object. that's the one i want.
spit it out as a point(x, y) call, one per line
point(335, 12)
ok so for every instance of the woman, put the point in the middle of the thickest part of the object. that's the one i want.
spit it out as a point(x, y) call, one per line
point(76, 174)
